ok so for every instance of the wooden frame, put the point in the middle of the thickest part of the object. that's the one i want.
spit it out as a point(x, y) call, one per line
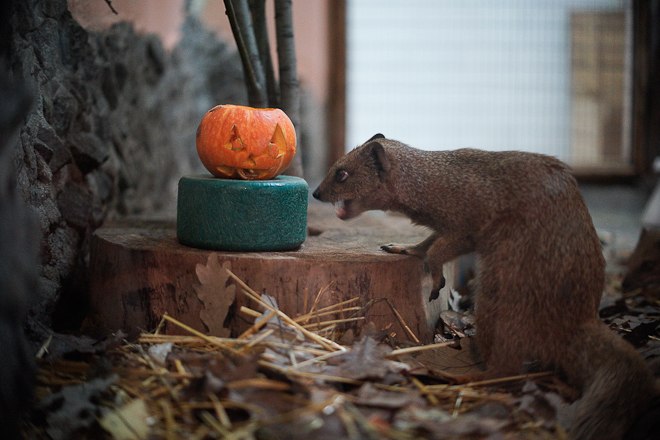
point(336, 126)
point(643, 106)
point(646, 85)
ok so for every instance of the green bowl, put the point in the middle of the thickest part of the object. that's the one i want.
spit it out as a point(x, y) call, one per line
point(242, 215)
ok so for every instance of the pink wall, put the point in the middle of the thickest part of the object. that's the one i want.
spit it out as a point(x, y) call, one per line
point(164, 18)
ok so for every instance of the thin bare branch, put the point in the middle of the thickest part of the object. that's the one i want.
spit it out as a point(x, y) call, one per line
point(242, 27)
point(289, 90)
point(258, 10)
point(112, 8)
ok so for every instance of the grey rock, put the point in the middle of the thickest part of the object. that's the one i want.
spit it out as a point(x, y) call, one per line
point(49, 145)
point(88, 151)
point(75, 204)
point(64, 110)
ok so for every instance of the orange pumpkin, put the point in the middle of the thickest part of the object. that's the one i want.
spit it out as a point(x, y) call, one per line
point(239, 142)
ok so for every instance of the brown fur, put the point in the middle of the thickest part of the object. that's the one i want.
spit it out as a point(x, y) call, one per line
point(540, 266)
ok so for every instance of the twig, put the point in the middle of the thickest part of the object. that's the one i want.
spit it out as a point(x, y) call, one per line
point(146, 338)
point(349, 423)
point(317, 376)
point(334, 321)
point(258, 325)
point(260, 338)
point(321, 358)
point(332, 308)
point(496, 381)
point(213, 423)
point(170, 424)
point(507, 379)
point(408, 350)
point(155, 369)
point(201, 335)
point(403, 323)
point(457, 404)
point(303, 318)
point(258, 382)
point(311, 350)
point(112, 8)
point(422, 388)
point(44, 347)
point(318, 297)
point(245, 289)
point(250, 312)
point(220, 411)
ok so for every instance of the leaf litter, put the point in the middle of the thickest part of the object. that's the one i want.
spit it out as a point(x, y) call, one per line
point(286, 376)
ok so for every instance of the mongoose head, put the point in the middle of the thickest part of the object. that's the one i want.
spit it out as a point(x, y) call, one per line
point(355, 183)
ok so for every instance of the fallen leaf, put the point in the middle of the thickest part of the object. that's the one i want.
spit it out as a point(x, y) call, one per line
point(216, 294)
point(128, 422)
point(434, 423)
point(369, 395)
point(74, 407)
point(64, 345)
point(365, 360)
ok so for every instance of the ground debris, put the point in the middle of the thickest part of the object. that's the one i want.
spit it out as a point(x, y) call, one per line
point(285, 377)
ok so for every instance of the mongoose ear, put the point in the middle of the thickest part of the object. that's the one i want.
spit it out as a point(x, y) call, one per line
point(380, 158)
point(376, 136)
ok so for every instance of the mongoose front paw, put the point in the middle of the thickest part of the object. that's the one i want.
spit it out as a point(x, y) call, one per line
point(395, 249)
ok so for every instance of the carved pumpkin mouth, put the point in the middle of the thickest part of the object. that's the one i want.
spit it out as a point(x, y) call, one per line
point(243, 173)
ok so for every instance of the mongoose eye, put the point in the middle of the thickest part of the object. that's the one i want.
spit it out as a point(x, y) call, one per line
point(341, 176)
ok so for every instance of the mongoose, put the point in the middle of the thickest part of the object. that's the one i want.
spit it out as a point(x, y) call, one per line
point(540, 269)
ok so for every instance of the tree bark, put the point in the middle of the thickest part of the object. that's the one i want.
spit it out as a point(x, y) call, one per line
point(151, 273)
point(242, 27)
point(289, 92)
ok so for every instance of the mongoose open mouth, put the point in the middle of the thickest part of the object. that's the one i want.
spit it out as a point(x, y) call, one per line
point(343, 209)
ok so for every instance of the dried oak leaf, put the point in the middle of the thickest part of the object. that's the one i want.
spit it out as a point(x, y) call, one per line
point(216, 293)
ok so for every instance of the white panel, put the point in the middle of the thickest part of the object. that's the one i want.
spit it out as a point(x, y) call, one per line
point(442, 74)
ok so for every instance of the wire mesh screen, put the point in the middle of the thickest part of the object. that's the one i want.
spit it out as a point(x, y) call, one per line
point(535, 75)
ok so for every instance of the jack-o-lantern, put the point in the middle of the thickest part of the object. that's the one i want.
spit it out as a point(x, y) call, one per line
point(239, 142)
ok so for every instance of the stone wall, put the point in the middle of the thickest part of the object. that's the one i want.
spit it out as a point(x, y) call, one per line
point(111, 131)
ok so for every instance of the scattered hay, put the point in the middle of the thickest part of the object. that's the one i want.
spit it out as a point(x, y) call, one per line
point(282, 376)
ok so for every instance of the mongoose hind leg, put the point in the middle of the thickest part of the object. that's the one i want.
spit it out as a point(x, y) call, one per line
point(442, 251)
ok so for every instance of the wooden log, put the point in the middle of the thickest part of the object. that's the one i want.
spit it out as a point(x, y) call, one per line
point(139, 271)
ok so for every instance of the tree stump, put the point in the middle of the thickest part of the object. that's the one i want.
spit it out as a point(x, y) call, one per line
point(139, 271)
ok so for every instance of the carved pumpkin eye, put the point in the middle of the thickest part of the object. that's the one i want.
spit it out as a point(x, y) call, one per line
point(341, 176)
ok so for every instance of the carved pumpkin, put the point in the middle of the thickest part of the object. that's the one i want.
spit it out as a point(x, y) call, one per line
point(238, 142)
